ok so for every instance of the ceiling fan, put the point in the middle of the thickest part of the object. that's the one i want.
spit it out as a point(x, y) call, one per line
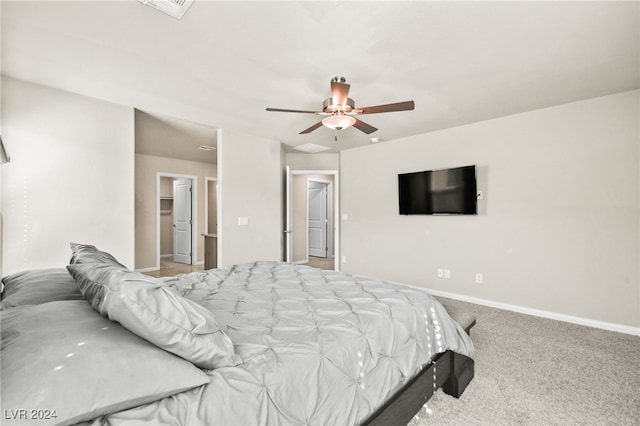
point(340, 110)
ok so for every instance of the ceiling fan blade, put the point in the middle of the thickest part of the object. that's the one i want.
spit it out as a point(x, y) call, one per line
point(292, 110)
point(364, 127)
point(312, 128)
point(399, 106)
point(339, 92)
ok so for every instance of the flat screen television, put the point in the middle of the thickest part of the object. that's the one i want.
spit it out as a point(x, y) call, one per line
point(432, 192)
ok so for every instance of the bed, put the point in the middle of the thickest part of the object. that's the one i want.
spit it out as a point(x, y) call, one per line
point(259, 343)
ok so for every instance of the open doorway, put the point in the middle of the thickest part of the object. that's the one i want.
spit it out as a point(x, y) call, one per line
point(170, 147)
point(210, 235)
point(211, 206)
point(177, 223)
point(312, 229)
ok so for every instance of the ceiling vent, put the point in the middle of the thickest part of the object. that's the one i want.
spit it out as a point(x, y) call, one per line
point(175, 8)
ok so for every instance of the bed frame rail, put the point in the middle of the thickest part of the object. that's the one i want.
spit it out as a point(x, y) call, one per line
point(449, 370)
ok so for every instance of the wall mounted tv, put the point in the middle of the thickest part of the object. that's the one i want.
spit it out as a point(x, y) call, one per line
point(432, 192)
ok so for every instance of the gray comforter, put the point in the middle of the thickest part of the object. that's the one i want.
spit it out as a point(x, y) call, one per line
point(319, 347)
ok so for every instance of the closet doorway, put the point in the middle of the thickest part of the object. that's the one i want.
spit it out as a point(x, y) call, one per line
point(176, 224)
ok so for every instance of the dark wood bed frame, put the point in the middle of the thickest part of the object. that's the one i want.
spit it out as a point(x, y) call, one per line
point(449, 370)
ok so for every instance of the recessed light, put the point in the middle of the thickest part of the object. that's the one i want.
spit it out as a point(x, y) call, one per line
point(375, 140)
point(206, 148)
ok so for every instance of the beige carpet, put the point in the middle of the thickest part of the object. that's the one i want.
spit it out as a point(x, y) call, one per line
point(535, 371)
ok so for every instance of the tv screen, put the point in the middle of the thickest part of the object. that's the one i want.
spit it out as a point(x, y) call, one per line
point(449, 191)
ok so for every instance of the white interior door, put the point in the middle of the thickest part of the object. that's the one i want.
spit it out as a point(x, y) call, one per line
point(318, 221)
point(182, 221)
point(288, 232)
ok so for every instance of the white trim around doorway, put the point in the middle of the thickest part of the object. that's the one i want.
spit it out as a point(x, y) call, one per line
point(336, 209)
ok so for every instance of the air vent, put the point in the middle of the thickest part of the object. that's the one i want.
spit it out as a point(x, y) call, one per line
point(175, 8)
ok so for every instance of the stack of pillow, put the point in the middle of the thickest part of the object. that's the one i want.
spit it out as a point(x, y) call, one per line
point(134, 342)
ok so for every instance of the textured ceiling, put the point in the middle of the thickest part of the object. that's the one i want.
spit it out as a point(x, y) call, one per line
point(223, 63)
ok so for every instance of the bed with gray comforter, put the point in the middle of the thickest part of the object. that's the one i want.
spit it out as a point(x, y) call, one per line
point(308, 347)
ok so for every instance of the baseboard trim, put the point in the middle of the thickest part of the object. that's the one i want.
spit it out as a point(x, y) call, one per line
point(635, 331)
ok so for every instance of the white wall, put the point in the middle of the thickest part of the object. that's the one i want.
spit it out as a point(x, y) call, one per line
point(313, 161)
point(70, 178)
point(558, 229)
point(1, 216)
point(250, 186)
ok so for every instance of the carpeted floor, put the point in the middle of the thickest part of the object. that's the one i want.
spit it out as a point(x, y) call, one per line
point(536, 371)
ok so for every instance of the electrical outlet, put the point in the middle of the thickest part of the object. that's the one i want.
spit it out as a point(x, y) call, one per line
point(479, 278)
point(447, 273)
point(344, 259)
point(440, 273)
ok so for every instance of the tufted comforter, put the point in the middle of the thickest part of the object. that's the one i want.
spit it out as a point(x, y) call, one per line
point(319, 347)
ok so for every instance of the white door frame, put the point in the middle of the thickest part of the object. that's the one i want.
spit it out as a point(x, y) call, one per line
point(194, 214)
point(288, 232)
point(330, 238)
point(336, 209)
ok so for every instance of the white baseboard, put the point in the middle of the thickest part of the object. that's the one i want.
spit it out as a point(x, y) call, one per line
point(635, 331)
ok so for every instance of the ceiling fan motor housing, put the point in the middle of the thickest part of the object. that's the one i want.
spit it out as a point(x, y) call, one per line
point(330, 108)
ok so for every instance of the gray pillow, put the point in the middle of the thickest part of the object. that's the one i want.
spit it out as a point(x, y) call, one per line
point(152, 310)
point(86, 253)
point(36, 286)
point(63, 359)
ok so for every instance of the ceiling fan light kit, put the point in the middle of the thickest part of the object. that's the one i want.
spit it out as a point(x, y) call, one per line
point(340, 110)
point(339, 121)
